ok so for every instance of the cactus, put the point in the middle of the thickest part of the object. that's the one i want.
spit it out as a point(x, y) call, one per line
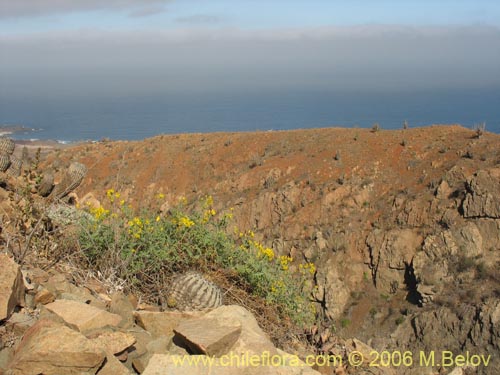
point(193, 292)
point(6, 146)
point(71, 180)
point(4, 162)
point(46, 184)
point(15, 167)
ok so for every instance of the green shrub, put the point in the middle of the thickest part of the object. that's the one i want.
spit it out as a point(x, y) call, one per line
point(146, 248)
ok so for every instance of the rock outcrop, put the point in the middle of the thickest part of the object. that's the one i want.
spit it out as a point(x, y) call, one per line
point(483, 195)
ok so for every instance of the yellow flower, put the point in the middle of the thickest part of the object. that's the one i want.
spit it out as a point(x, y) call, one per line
point(308, 267)
point(263, 251)
point(186, 222)
point(160, 196)
point(278, 287)
point(158, 218)
point(284, 261)
point(209, 201)
point(99, 213)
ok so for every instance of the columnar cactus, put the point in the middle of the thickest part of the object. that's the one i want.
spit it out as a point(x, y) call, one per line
point(15, 167)
point(71, 180)
point(4, 162)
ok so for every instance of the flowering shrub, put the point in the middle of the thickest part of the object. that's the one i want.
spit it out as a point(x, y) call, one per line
point(144, 247)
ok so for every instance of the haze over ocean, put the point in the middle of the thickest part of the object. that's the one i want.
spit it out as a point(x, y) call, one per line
point(89, 69)
point(133, 118)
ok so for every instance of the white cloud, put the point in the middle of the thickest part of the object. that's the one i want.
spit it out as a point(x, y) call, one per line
point(28, 8)
point(359, 58)
point(200, 19)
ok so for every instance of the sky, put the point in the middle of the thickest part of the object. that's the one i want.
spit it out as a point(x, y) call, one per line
point(112, 47)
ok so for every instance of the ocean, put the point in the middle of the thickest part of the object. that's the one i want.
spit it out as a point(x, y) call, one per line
point(129, 117)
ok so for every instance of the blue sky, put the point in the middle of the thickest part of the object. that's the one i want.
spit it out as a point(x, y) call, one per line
point(84, 47)
point(244, 14)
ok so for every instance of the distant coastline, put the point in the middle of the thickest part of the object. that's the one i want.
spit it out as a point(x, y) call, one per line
point(13, 129)
point(139, 117)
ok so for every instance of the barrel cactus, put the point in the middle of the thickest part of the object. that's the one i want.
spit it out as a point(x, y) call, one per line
point(193, 292)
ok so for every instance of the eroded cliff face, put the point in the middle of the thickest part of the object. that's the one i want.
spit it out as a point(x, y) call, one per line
point(404, 226)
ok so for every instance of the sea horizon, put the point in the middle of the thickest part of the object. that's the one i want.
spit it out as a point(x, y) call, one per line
point(129, 117)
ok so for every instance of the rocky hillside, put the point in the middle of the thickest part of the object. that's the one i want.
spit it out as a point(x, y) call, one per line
point(403, 226)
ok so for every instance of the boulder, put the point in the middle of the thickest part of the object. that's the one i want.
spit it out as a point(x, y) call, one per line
point(81, 316)
point(19, 323)
point(113, 366)
point(113, 342)
point(120, 304)
point(157, 346)
point(52, 349)
point(210, 336)
point(11, 286)
point(252, 338)
point(161, 323)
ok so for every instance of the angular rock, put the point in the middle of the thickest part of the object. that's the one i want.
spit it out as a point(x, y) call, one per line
point(208, 336)
point(52, 349)
point(143, 338)
point(44, 296)
point(121, 305)
point(114, 342)
point(81, 316)
point(113, 366)
point(37, 275)
point(157, 346)
point(19, 323)
point(6, 355)
point(483, 195)
point(11, 286)
point(161, 323)
point(252, 338)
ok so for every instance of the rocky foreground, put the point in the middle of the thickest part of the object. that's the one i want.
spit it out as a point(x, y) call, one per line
point(50, 326)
